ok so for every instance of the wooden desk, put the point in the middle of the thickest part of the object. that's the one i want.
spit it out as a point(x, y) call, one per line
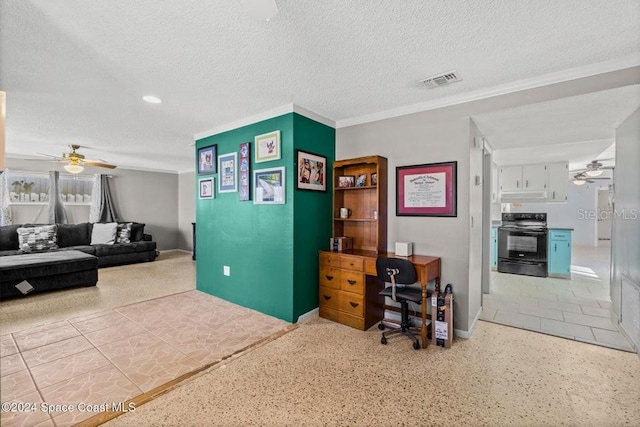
point(334, 265)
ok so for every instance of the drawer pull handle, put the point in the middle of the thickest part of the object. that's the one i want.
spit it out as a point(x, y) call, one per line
point(328, 277)
point(326, 297)
point(353, 304)
point(351, 282)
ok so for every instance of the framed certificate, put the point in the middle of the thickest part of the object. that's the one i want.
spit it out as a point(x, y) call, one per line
point(427, 190)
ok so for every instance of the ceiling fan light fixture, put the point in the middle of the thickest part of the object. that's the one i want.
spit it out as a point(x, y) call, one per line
point(594, 173)
point(579, 181)
point(151, 99)
point(71, 168)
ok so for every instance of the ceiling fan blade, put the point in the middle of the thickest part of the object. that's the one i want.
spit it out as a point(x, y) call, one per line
point(98, 164)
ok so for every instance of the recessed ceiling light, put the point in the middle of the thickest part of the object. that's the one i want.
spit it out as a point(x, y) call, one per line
point(152, 99)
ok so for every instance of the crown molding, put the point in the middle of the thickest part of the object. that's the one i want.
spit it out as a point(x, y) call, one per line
point(629, 61)
point(265, 115)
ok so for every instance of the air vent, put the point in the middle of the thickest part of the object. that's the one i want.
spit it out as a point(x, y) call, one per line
point(441, 79)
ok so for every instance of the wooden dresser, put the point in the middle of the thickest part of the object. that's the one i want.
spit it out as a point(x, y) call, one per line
point(349, 289)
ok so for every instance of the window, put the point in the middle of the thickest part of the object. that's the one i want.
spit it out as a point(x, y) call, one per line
point(33, 188)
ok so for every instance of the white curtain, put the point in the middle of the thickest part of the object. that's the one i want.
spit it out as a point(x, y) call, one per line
point(96, 199)
point(5, 209)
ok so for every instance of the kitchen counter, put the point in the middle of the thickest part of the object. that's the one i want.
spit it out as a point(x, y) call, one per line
point(560, 228)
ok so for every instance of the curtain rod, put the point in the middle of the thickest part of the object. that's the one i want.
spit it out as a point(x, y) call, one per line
point(47, 173)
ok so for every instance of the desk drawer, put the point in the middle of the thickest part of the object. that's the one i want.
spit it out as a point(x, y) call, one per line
point(329, 297)
point(345, 319)
point(330, 277)
point(351, 263)
point(329, 259)
point(370, 266)
point(351, 303)
point(352, 281)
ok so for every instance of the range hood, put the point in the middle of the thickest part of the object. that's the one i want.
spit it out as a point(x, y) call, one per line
point(523, 196)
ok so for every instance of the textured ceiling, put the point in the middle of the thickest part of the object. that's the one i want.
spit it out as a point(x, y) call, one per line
point(75, 70)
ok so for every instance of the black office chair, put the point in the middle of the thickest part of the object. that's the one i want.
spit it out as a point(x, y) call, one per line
point(400, 273)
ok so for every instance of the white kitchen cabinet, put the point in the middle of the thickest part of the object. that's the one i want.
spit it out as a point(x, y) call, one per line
point(534, 177)
point(558, 182)
point(523, 178)
point(510, 178)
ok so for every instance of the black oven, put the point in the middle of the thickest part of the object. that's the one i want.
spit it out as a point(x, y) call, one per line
point(522, 244)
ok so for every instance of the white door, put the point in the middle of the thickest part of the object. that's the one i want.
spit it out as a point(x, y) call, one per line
point(534, 177)
point(604, 215)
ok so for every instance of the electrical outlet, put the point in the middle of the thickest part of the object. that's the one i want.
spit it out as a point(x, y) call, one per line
point(227, 270)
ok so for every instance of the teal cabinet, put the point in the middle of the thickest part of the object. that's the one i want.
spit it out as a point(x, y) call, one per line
point(494, 248)
point(559, 253)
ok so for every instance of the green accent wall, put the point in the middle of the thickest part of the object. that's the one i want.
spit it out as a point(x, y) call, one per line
point(272, 250)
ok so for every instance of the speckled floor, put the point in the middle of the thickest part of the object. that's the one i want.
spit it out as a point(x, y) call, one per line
point(324, 373)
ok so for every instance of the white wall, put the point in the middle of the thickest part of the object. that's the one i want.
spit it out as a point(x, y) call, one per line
point(148, 197)
point(625, 236)
point(415, 139)
point(578, 213)
point(186, 210)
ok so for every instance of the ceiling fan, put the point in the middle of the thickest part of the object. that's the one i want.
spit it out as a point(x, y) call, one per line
point(76, 161)
point(591, 172)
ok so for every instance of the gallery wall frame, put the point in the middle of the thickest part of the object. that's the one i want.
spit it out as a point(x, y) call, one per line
point(206, 188)
point(228, 173)
point(427, 190)
point(267, 147)
point(207, 159)
point(311, 171)
point(245, 171)
point(269, 186)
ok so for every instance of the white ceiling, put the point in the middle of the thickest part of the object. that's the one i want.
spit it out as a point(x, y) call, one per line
point(75, 70)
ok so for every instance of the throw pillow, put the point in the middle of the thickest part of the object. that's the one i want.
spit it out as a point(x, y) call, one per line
point(124, 233)
point(137, 231)
point(104, 234)
point(42, 238)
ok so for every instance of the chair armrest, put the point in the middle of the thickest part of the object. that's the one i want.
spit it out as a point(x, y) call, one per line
point(147, 237)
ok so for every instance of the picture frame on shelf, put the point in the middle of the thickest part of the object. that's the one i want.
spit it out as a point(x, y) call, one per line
point(362, 180)
point(374, 179)
point(312, 171)
point(267, 147)
point(245, 171)
point(269, 186)
point(427, 190)
point(206, 188)
point(346, 181)
point(207, 159)
point(228, 173)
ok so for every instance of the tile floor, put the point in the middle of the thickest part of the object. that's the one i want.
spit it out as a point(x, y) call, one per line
point(578, 308)
point(116, 355)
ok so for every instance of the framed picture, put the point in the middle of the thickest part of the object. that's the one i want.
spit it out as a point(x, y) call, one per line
point(312, 171)
point(374, 179)
point(427, 190)
point(245, 171)
point(206, 188)
point(362, 180)
point(269, 186)
point(268, 147)
point(228, 173)
point(346, 181)
point(207, 160)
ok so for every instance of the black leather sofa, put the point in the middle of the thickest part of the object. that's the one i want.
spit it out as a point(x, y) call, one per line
point(78, 237)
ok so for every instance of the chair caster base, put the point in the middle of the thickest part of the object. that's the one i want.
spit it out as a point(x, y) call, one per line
point(416, 346)
point(383, 340)
point(381, 326)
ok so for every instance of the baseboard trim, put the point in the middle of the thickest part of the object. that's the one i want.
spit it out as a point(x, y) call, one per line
point(459, 333)
point(175, 250)
point(309, 315)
